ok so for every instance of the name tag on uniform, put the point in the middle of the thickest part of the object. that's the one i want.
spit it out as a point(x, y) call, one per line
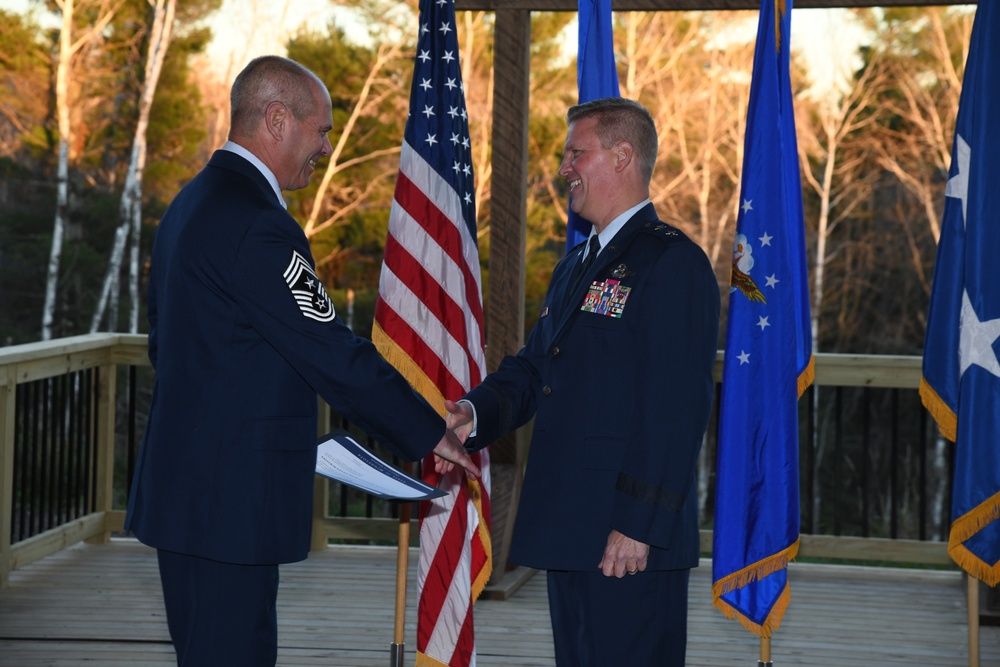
point(606, 298)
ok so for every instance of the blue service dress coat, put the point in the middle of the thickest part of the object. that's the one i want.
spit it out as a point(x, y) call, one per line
point(618, 376)
point(243, 337)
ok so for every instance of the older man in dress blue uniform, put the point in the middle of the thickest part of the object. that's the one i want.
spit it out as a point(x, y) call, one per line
point(617, 373)
point(243, 337)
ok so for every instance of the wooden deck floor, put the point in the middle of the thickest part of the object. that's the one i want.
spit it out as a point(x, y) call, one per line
point(101, 605)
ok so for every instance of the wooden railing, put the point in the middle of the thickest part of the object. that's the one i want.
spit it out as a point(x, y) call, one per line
point(72, 411)
point(30, 441)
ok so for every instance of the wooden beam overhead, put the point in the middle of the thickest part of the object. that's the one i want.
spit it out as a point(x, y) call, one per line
point(682, 5)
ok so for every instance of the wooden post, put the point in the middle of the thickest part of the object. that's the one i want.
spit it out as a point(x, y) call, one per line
point(508, 204)
point(321, 485)
point(765, 652)
point(106, 390)
point(973, 585)
point(8, 386)
point(402, 567)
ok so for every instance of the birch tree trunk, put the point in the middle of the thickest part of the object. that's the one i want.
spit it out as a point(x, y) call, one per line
point(839, 187)
point(130, 209)
point(929, 113)
point(62, 170)
point(67, 48)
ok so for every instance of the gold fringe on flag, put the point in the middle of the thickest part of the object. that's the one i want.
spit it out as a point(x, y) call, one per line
point(479, 583)
point(422, 384)
point(965, 527)
point(806, 377)
point(395, 355)
point(752, 573)
point(773, 619)
point(944, 416)
point(424, 660)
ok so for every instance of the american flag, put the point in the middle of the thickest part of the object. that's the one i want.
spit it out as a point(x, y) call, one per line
point(429, 324)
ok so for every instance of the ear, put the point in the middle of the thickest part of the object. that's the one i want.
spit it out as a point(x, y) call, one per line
point(276, 119)
point(623, 155)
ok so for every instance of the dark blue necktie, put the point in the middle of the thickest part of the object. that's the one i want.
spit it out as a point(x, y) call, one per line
point(584, 266)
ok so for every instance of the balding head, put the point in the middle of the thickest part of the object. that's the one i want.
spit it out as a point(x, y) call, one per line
point(269, 79)
point(281, 113)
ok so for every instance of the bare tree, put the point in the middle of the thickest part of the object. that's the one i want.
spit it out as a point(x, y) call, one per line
point(709, 123)
point(828, 118)
point(925, 58)
point(477, 75)
point(370, 96)
point(923, 102)
point(67, 49)
point(130, 209)
point(835, 175)
point(696, 85)
point(255, 22)
point(381, 99)
point(24, 66)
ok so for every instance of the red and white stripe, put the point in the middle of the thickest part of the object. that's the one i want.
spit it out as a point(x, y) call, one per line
point(430, 306)
point(430, 286)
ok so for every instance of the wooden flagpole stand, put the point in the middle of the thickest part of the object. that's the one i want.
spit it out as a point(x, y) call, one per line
point(402, 565)
point(973, 596)
point(765, 652)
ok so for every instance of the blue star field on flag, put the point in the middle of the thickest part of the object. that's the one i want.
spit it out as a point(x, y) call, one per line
point(438, 124)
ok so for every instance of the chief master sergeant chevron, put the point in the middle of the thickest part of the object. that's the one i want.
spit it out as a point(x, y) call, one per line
point(243, 337)
point(617, 372)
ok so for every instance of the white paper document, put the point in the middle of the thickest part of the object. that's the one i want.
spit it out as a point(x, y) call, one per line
point(340, 457)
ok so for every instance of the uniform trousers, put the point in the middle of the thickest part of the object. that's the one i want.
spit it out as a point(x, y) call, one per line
point(639, 620)
point(220, 614)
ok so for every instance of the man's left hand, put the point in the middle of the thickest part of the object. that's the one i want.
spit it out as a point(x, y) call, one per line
point(623, 555)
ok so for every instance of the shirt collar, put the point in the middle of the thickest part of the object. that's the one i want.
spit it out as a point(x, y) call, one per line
point(234, 147)
point(615, 226)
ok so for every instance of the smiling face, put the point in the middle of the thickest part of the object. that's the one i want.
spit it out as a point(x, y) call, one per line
point(305, 142)
point(590, 170)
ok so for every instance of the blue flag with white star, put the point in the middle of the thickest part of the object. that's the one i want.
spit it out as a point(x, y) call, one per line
point(596, 77)
point(961, 375)
point(768, 358)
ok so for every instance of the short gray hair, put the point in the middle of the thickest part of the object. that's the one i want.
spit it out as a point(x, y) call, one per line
point(622, 119)
point(269, 79)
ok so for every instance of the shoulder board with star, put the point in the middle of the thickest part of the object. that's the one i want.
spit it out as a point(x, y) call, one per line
point(663, 231)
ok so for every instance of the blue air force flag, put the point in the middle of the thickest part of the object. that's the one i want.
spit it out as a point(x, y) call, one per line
point(768, 359)
point(961, 375)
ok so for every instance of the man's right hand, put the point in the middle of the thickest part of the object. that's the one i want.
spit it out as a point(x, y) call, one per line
point(459, 419)
point(450, 451)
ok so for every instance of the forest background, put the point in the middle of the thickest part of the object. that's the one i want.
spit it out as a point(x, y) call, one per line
point(874, 140)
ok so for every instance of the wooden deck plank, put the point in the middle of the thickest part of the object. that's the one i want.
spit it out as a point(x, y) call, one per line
point(101, 605)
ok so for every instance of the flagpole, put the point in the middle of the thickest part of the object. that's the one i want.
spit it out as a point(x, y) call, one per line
point(402, 565)
point(973, 596)
point(765, 652)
